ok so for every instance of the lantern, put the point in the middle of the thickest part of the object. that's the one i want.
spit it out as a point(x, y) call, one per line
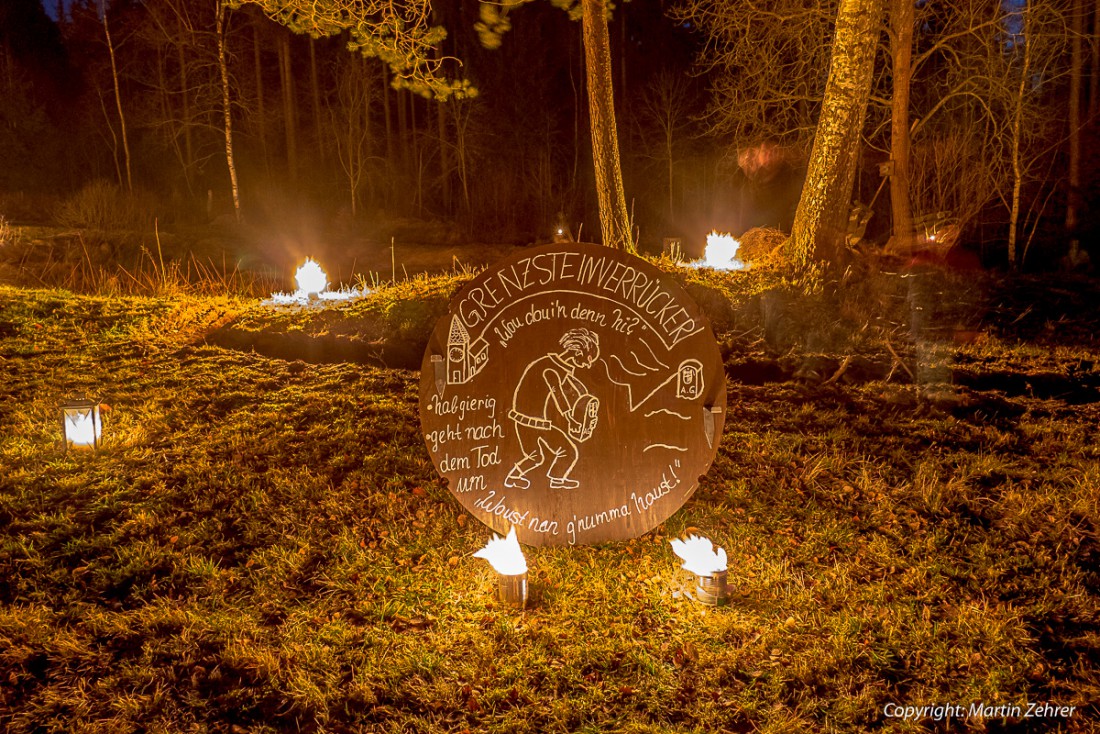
point(506, 558)
point(708, 565)
point(81, 425)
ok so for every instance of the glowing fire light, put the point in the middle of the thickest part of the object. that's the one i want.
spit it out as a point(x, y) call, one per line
point(721, 253)
point(311, 278)
point(699, 556)
point(80, 429)
point(312, 283)
point(504, 555)
point(81, 424)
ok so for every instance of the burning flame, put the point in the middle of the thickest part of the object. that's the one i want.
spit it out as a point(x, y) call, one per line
point(721, 254)
point(699, 556)
point(312, 281)
point(80, 429)
point(311, 278)
point(504, 554)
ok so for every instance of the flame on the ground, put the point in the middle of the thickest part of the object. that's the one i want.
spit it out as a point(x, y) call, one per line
point(312, 282)
point(504, 554)
point(699, 556)
point(80, 429)
point(721, 253)
point(311, 278)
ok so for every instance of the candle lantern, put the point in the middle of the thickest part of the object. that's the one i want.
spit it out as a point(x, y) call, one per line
point(708, 565)
point(506, 558)
point(82, 428)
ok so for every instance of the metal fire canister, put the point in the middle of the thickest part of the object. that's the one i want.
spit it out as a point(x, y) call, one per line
point(711, 590)
point(513, 589)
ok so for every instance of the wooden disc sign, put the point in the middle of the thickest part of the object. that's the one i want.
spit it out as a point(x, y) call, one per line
point(575, 392)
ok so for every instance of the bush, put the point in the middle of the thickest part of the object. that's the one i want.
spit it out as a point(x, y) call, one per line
point(103, 206)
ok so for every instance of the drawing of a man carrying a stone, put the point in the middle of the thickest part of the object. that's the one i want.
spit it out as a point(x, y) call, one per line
point(553, 411)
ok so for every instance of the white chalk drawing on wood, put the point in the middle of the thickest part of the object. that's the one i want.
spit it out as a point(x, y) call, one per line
point(668, 342)
point(553, 411)
point(689, 385)
point(465, 358)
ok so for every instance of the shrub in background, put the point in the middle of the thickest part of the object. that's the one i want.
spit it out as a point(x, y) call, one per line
point(103, 206)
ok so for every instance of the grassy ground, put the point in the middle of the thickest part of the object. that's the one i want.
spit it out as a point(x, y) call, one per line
point(263, 544)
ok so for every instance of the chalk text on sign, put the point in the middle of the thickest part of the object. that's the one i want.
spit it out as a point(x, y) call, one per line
point(593, 521)
point(498, 506)
point(669, 481)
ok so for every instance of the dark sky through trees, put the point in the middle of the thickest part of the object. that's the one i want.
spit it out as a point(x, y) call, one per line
point(316, 135)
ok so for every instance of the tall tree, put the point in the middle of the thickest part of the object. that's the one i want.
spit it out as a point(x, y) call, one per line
point(763, 62)
point(223, 73)
point(1077, 63)
point(902, 14)
point(610, 194)
point(290, 107)
point(1024, 41)
point(821, 219)
point(118, 99)
point(614, 218)
point(663, 116)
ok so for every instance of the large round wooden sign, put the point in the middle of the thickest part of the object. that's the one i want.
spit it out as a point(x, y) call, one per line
point(575, 392)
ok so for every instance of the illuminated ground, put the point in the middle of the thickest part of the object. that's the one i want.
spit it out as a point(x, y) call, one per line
point(263, 544)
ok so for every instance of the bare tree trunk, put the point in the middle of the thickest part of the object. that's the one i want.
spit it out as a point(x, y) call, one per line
point(901, 51)
point(402, 131)
point(821, 220)
point(367, 130)
point(220, 31)
point(1077, 63)
point(315, 98)
point(669, 140)
point(261, 122)
point(461, 117)
point(445, 165)
point(1094, 76)
point(118, 102)
point(386, 91)
point(614, 219)
point(290, 114)
point(185, 100)
point(442, 109)
point(414, 145)
point(1017, 121)
point(114, 135)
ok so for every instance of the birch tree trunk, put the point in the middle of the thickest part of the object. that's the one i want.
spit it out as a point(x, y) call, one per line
point(1017, 123)
point(220, 31)
point(821, 220)
point(614, 219)
point(118, 103)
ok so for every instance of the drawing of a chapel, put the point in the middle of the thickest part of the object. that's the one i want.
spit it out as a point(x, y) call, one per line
point(464, 358)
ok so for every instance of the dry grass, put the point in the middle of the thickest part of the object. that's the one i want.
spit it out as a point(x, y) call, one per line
point(263, 546)
point(120, 264)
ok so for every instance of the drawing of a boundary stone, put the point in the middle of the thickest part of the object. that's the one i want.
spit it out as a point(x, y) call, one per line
point(574, 392)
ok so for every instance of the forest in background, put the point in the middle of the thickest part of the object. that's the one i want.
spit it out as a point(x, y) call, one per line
point(716, 111)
